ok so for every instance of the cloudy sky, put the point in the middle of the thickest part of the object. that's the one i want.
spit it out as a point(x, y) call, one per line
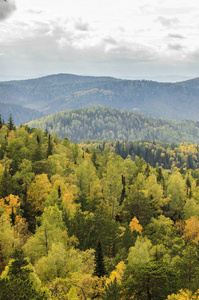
point(120, 38)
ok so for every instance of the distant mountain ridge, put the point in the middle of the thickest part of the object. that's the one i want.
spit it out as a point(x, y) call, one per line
point(21, 114)
point(55, 93)
point(106, 123)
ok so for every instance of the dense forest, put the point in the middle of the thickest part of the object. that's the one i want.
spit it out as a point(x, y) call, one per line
point(84, 223)
point(168, 156)
point(98, 122)
point(60, 92)
point(20, 113)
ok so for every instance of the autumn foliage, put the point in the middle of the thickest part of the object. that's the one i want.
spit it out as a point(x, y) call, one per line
point(93, 225)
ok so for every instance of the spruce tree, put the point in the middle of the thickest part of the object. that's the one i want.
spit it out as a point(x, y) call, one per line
point(6, 184)
point(100, 269)
point(2, 265)
point(50, 146)
point(10, 123)
point(188, 185)
point(94, 158)
point(160, 176)
point(46, 132)
point(123, 193)
point(37, 155)
point(1, 122)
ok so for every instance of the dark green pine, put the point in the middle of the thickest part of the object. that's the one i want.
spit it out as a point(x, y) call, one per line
point(50, 146)
point(1, 122)
point(100, 269)
point(10, 123)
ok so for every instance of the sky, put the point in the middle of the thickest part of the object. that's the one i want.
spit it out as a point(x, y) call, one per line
point(132, 39)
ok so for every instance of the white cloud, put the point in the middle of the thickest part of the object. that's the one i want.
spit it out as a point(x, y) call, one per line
point(82, 26)
point(7, 7)
point(91, 36)
point(176, 36)
point(177, 47)
point(168, 22)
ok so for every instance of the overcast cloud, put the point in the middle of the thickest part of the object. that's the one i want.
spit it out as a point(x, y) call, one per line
point(124, 38)
point(7, 7)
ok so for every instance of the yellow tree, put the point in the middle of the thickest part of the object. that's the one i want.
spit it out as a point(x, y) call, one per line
point(10, 205)
point(21, 232)
point(191, 230)
point(135, 226)
point(69, 206)
point(112, 183)
point(184, 295)
point(117, 273)
point(6, 236)
point(154, 192)
point(59, 288)
point(88, 286)
point(176, 189)
point(72, 295)
point(38, 192)
point(95, 195)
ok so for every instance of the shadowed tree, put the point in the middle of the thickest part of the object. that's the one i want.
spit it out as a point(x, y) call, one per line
point(100, 269)
point(2, 266)
point(50, 146)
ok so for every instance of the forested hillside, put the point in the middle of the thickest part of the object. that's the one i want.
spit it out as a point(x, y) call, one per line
point(168, 156)
point(21, 114)
point(112, 124)
point(61, 92)
point(88, 224)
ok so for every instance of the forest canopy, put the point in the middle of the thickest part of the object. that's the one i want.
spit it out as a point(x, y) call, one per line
point(100, 122)
point(81, 222)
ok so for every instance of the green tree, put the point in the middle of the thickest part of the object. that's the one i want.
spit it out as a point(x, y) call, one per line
point(51, 230)
point(2, 264)
point(176, 189)
point(100, 269)
point(10, 124)
point(150, 280)
point(188, 268)
point(112, 291)
point(50, 146)
point(140, 253)
point(188, 186)
point(1, 122)
point(6, 183)
point(19, 281)
point(37, 153)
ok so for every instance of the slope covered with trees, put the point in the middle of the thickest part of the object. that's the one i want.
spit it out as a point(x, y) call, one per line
point(88, 224)
point(20, 113)
point(112, 124)
point(60, 92)
point(183, 155)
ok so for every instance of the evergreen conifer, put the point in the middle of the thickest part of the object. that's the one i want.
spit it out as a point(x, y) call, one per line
point(100, 269)
point(10, 123)
point(50, 146)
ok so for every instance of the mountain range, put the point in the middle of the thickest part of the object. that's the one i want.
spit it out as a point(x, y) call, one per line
point(34, 98)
